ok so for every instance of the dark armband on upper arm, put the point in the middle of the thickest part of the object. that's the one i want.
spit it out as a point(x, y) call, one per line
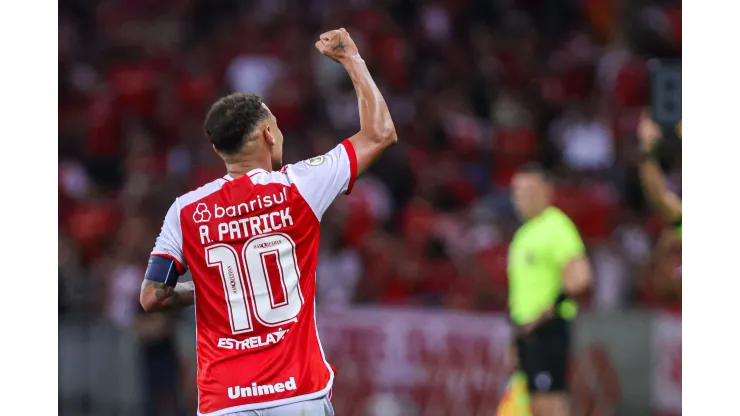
point(162, 270)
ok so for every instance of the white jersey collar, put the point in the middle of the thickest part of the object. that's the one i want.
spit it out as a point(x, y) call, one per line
point(250, 173)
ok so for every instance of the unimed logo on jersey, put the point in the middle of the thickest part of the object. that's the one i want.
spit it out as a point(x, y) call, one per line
point(256, 390)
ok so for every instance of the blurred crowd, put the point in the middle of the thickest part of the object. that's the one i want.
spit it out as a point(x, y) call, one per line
point(476, 88)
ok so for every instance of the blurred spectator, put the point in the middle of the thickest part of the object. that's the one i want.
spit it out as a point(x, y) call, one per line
point(254, 73)
point(585, 141)
point(340, 270)
point(611, 276)
point(159, 364)
point(157, 351)
point(123, 293)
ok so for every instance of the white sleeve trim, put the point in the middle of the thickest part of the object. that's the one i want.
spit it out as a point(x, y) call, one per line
point(321, 179)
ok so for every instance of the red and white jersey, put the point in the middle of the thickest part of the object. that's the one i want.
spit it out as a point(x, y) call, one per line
point(252, 247)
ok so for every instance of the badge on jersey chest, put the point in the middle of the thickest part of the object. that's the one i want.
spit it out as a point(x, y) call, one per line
point(522, 257)
point(315, 161)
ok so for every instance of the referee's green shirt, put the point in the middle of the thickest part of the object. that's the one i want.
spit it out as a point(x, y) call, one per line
point(541, 248)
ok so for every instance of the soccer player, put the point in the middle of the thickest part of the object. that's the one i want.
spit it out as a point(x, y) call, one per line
point(657, 193)
point(250, 240)
point(547, 267)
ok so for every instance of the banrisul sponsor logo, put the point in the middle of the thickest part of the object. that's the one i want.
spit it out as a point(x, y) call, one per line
point(255, 204)
point(261, 390)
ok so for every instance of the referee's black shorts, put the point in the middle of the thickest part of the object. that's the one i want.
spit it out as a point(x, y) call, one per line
point(543, 356)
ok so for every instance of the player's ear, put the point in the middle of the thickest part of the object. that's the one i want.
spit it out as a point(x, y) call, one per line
point(269, 137)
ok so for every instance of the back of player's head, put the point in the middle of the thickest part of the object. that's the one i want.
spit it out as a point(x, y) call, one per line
point(233, 119)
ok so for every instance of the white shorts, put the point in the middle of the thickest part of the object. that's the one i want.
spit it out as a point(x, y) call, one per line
point(316, 407)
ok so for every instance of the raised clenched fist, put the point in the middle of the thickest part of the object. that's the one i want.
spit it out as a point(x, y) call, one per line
point(337, 45)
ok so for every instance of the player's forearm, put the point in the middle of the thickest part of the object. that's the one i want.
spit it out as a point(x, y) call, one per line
point(156, 296)
point(657, 192)
point(375, 118)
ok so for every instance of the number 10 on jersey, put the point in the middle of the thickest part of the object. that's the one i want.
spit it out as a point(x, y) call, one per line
point(272, 288)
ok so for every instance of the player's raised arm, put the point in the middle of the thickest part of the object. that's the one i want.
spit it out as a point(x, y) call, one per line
point(160, 290)
point(653, 179)
point(377, 131)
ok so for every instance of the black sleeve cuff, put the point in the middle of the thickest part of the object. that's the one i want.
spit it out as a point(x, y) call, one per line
point(560, 299)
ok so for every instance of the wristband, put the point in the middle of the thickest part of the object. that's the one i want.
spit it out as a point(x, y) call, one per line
point(565, 307)
point(560, 299)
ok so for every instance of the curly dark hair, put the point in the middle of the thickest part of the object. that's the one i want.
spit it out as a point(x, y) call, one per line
point(232, 119)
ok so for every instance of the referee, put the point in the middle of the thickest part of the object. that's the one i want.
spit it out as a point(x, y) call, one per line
point(547, 267)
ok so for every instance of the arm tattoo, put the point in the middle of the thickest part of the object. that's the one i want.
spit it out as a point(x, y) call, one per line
point(180, 296)
point(162, 291)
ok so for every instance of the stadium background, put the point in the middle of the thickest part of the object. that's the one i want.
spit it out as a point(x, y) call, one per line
point(412, 283)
